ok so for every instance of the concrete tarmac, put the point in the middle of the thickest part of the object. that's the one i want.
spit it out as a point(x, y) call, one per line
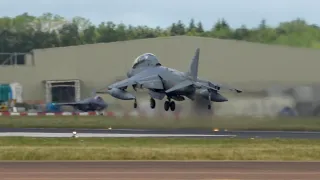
point(200, 170)
point(178, 132)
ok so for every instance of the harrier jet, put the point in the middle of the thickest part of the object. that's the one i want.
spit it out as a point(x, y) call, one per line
point(161, 81)
point(95, 103)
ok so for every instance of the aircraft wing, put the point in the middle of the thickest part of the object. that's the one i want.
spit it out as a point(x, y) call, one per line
point(180, 86)
point(149, 82)
point(69, 104)
point(65, 104)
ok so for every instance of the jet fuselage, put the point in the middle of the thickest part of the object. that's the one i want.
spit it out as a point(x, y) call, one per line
point(148, 73)
point(170, 77)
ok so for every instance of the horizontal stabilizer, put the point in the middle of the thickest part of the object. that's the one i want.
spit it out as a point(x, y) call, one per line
point(181, 85)
point(201, 85)
point(227, 87)
point(238, 90)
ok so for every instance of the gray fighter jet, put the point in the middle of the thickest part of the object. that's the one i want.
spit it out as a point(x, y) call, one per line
point(161, 81)
point(94, 103)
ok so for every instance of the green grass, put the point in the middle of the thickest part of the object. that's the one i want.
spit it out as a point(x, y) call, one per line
point(18, 148)
point(240, 123)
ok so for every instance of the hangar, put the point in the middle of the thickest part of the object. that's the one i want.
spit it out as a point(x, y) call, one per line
point(47, 74)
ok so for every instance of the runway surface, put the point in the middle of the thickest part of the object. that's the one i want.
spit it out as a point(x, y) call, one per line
point(159, 170)
point(52, 132)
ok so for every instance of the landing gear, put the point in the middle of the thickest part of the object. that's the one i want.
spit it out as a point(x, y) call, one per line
point(169, 104)
point(209, 105)
point(172, 105)
point(166, 105)
point(152, 103)
point(135, 105)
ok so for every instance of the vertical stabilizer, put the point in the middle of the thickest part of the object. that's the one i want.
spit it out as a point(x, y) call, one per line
point(93, 93)
point(193, 68)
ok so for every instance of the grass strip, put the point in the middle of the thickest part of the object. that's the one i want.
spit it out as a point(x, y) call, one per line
point(100, 122)
point(23, 148)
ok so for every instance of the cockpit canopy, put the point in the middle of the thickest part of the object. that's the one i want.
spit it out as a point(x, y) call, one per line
point(147, 59)
point(98, 98)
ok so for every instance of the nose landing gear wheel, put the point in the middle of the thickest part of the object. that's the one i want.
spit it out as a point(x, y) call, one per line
point(152, 103)
point(166, 105)
point(172, 105)
point(209, 106)
point(135, 105)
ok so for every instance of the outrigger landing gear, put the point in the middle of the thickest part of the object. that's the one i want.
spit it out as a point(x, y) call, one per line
point(135, 105)
point(169, 104)
point(209, 105)
point(152, 103)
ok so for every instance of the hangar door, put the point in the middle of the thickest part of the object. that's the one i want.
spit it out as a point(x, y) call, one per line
point(61, 91)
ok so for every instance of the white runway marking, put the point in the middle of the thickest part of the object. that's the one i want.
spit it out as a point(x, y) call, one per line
point(31, 134)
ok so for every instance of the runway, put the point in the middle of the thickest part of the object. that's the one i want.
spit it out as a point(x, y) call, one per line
point(57, 132)
point(200, 170)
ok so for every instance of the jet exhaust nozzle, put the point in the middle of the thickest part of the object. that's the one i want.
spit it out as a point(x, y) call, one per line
point(121, 94)
point(215, 96)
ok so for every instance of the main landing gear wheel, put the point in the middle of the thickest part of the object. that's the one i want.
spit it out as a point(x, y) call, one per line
point(169, 104)
point(209, 106)
point(166, 105)
point(172, 105)
point(152, 103)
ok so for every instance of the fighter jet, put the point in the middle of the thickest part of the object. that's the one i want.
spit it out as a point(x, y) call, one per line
point(95, 103)
point(161, 81)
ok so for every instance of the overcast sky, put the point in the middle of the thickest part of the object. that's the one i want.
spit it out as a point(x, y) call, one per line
point(164, 12)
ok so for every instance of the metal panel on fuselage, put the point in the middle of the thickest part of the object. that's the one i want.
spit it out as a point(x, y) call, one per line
point(172, 77)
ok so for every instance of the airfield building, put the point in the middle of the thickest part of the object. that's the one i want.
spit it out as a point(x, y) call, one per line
point(72, 73)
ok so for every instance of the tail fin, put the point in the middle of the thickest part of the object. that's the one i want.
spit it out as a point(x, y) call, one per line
point(193, 68)
point(93, 93)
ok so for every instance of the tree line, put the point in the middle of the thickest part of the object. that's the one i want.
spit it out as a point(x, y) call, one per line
point(26, 32)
